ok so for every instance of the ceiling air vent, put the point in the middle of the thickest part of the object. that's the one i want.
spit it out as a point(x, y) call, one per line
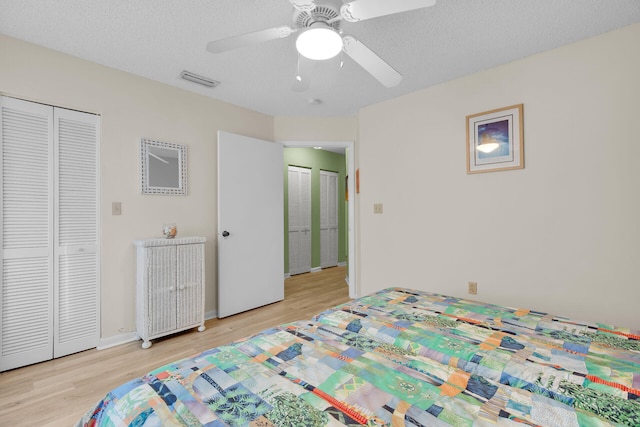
point(201, 80)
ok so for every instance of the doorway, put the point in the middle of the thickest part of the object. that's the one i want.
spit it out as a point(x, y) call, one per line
point(348, 147)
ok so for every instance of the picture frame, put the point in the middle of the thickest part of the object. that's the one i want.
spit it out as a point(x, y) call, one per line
point(502, 132)
point(163, 168)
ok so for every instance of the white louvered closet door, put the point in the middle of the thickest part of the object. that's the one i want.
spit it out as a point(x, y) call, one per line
point(26, 133)
point(299, 191)
point(328, 219)
point(76, 290)
point(49, 283)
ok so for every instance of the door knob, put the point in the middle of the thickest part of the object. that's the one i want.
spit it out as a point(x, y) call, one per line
point(225, 233)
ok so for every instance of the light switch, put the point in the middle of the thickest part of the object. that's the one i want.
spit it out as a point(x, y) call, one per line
point(116, 208)
point(377, 208)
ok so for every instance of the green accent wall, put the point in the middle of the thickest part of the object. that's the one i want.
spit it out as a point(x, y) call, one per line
point(316, 160)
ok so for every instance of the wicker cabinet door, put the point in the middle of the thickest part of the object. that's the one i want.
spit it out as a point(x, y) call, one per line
point(161, 290)
point(190, 282)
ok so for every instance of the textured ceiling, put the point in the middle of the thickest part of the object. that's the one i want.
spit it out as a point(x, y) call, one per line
point(158, 39)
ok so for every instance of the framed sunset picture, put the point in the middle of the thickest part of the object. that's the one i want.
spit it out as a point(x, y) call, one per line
point(495, 140)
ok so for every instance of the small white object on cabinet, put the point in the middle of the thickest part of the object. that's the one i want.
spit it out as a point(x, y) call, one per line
point(170, 286)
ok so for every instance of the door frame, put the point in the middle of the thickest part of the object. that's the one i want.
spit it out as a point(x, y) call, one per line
point(351, 203)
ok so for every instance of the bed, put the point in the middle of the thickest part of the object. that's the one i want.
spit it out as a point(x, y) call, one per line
point(398, 357)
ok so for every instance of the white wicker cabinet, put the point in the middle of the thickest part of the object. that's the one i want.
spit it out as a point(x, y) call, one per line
point(170, 286)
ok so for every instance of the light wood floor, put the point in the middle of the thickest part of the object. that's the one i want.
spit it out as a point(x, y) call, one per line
point(59, 392)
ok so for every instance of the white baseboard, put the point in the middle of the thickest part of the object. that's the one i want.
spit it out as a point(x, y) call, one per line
point(316, 269)
point(132, 336)
point(117, 340)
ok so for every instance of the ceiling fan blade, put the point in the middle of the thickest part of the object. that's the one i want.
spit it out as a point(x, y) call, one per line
point(249, 39)
point(303, 5)
point(359, 10)
point(371, 62)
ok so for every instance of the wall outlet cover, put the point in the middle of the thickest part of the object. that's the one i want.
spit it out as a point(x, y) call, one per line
point(473, 288)
point(116, 208)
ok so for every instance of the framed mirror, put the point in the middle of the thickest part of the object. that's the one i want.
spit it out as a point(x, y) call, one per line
point(163, 168)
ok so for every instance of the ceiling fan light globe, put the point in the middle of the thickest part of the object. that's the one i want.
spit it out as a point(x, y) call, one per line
point(319, 43)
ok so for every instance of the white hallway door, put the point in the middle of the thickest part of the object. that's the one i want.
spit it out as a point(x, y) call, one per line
point(250, 223)
point(328, 219)
point(49, 230)
point(299, 191)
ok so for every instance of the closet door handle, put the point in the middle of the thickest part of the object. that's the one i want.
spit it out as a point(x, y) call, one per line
point(225, 233)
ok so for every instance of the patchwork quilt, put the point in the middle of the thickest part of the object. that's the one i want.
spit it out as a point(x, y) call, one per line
point(398, 357)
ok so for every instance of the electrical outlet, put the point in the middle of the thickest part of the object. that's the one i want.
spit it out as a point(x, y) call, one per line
point(377, 208)
point(116, 208)
point(473, 288)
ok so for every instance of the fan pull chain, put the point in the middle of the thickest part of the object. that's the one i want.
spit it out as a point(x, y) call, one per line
point(298, 76)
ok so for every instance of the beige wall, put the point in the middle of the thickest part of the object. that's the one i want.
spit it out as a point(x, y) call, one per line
point(565, 226)
point(315, 128)
point(561, 235)
point(132, 107)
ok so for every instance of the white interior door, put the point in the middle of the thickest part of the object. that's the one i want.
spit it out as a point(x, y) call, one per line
point(328, 219)
point(250, 223)
point(299, 191)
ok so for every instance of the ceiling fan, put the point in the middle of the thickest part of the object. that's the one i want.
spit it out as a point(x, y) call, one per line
point(319, 22)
